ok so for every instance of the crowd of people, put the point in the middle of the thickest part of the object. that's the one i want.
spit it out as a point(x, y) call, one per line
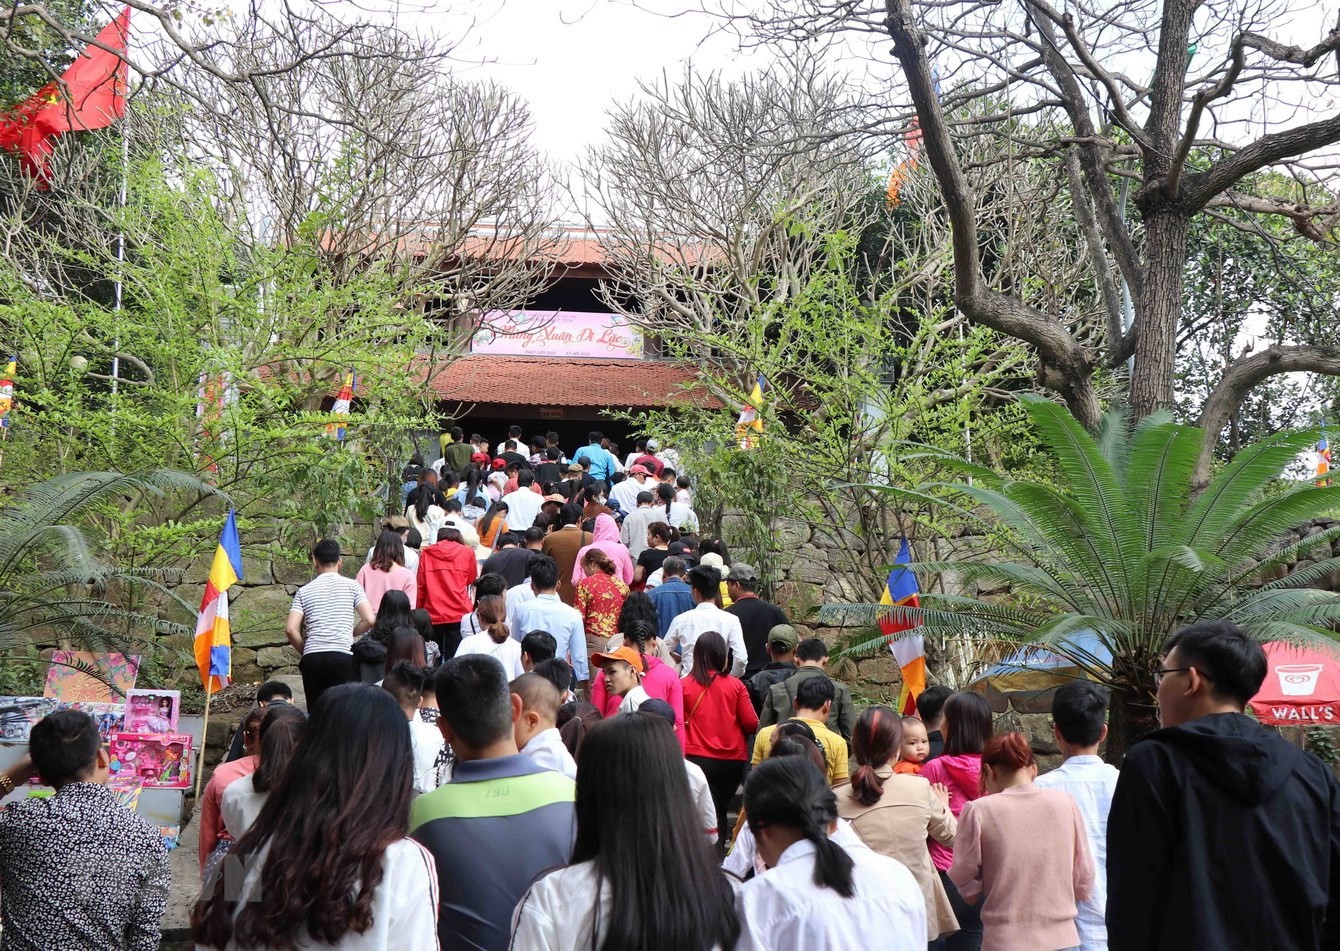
point(471, 785)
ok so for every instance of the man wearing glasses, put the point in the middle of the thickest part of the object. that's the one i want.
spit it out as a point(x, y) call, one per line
point(1222, 834)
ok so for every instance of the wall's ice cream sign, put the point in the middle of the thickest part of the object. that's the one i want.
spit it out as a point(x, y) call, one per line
point(1302, 686)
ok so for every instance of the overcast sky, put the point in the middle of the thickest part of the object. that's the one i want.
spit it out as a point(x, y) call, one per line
point(570, 58)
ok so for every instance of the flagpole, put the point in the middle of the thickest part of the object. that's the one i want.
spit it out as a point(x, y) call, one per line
point(204, 738)
point(120, 257)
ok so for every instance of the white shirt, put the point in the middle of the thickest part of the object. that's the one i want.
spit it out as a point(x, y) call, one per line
point(329, 608)
point(633, 531)
point(404, 907)
point(522, 507)
point(547, 751)
point(508, 653)
point(702, 800)
point(688, 627)
point(744, 850)
point(557, 913)
point(515, 597)
point(784, 908)
point(626, 492)
point(1091, 783)
point(240, 805)
point(633, 699)
point(425, 743)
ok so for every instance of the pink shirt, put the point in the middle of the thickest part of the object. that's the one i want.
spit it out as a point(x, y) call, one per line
point(1026, 850)
point(962, 774)
point(211, 819)
point(661, 682)
point(376, 583)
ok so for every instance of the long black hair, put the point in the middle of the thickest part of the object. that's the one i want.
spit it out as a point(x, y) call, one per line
point(666, 888)
point(388, 552)
point(638, 606)
point(792, 791)
point(282, 728)
point(710, 656)
point(342, 802)
point(967, 723)
point(473, 480)
point(495, 511)
point(427, 497)
point(393, 612)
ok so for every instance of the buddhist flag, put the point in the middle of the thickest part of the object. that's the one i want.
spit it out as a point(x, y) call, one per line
point(7, 391)
point(1323, 459)
point(910, 651)
point(910, 163)
point(343, 401)
point(749, 416)
point(213, 640)
point(91, 94)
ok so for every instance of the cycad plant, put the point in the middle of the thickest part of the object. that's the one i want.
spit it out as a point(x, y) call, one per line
point(1120, 542)
point(53, 580)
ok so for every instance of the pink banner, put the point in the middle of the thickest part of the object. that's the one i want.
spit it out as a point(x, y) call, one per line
point(555, 333)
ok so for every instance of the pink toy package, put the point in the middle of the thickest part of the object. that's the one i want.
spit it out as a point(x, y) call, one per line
point(152, 711)
point(158, 761)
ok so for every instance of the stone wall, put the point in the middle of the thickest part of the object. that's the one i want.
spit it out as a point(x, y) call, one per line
point(258, 606)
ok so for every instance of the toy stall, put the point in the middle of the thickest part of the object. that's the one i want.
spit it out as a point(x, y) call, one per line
point(149, 742)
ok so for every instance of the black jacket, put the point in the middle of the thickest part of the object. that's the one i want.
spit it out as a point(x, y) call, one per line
point(1222, 835)
point(760, 683)
point(757, 619)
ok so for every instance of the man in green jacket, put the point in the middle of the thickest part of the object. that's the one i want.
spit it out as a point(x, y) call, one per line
point(812, 660)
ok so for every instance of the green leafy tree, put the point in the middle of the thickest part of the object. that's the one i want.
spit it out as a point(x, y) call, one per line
point(57, 582)
point(1117, 542)
point(35, 50)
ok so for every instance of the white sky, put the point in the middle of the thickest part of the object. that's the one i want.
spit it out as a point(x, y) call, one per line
point(569, 59)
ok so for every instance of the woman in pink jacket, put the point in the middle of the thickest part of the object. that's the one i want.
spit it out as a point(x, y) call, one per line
point(661, 681)
point(967, 727)
point(606, 535)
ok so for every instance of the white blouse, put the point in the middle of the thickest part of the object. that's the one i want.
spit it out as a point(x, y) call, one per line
point(404, 908)
point(783, 908)
point(557, 913)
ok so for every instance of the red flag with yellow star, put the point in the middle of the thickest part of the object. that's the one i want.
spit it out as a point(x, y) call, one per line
point(91, 94)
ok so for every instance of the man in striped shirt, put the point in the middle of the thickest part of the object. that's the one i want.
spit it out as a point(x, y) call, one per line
point(327, 613)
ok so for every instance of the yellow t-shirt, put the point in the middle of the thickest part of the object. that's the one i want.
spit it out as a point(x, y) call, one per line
point(833, 745)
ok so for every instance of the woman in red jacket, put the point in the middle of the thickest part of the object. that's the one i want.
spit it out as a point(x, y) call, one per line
point(446, 571)
point(718, 719)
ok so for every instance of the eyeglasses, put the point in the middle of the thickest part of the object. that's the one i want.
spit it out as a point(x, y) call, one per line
point(1164, 671)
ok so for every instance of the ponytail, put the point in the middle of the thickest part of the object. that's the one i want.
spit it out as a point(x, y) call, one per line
point(492, 612)
point(792, 791)
point(667, 495)
point(875, 741)
point(832, 865)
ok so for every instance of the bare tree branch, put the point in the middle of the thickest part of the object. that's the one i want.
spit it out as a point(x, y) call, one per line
point(1244, 374)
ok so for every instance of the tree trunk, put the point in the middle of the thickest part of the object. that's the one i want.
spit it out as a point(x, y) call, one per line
point(1160, 310)
point(1132, 716)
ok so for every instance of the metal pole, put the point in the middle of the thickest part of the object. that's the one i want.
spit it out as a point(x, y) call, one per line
point(120, 254)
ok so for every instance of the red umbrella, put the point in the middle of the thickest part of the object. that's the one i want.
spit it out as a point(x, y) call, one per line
point(1302, 687)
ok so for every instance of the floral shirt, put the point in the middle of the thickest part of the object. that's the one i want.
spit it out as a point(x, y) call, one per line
point(79, 870)
point(600, 597)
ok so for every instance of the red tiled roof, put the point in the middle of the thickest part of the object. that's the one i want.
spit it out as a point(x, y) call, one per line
point(551, 381)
